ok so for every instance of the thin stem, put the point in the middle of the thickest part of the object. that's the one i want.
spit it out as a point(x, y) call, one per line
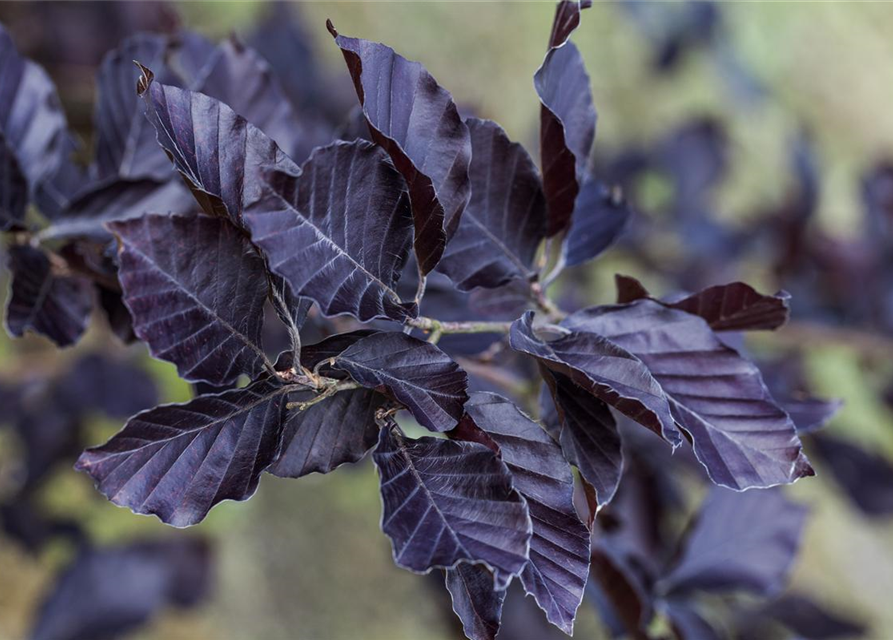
point(431, 325)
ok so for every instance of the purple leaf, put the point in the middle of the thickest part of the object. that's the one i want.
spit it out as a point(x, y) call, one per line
point(625, 602)
point(587, 433)
point(411, 371)
point(605, 370)
point(505, 220)
point(810, 414)
point(90, 209)
point(475, 601)
point(688, 623)
point(446, 502)
point(559, 549)
point(326, 435)
point(14, 190)
point(339, 233)
point(335, 345)
point(125, 144)
point(740, 542)
point(219, 154)
point(600, 216)
point(49, 303)
point(865, 476)
point(238, 76)
point(196, 291)
point(416, 121)
point(728, 307)
point(178, 461)
point(740, 435)
point(567, 130)
point(110, 591)
point(31, 118)
point(807, 618)
point(117, 388)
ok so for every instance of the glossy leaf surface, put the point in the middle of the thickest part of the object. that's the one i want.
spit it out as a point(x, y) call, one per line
point(195, 289)
point(740, 435)
point(178, 461)
point(505, 220)
point(605, 370)
point(414, 372)
point(340, 232)
point(559, 549)
point(446, 502)
point(416, 121)
point(336, 431)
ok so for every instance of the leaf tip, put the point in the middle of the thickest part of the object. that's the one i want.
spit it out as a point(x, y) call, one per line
point(331, 28)
point(145, 79)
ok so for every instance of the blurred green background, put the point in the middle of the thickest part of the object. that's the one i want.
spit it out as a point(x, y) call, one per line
point(305, 559)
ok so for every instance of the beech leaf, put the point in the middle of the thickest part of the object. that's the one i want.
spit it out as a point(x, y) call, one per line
point(411, 371)
point(195, 289)
point(559, 549)
point(740, 541)
point(505, 220)
point(475, 601)
point(338, 233)
point(54, 305)
point(446, 502)
point(336, 431)
point(605, 370)
point(14, 193)
point(567, 19)
point(178, 461)
point(740, 435)
point(218, 153)
point(729, 307)
point(600, 216)
point(587, 432)
point(567, 130)
point(416, 121)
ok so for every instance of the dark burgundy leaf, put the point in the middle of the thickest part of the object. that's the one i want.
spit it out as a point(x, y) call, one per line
point(117, 314)
point(219, 154)
point(477, 603)
point(559, 549)
point(740, 435)
point(126, 145)
point(865, 476)
point(727, 307)
point(414, 372)
point(178, 461)
point(446, 502)
point(417, 123)
point(344, 244)
point(110, 591)
point(600, 216)
point(605, 370)
point(13, 189)
point(90, 209)
point(505, 220)
point(567, 19)
point(44, 301)
point(740, 542)
point(31, 117)
point(336, 431)
point(567, 130)
point(587, 433)
point(196, 291)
